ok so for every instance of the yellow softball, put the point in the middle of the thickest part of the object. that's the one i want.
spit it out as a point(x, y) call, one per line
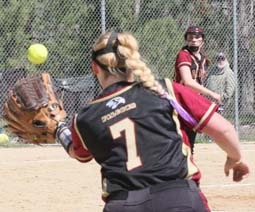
point(37, 53)
point(4, 138)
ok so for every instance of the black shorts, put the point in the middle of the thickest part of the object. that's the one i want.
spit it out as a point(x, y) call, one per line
point(174, 196)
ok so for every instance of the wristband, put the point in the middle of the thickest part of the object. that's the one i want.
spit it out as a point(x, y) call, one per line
point(64, 135)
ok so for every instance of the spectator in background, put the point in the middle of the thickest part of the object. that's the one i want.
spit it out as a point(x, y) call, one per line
point(220, 79)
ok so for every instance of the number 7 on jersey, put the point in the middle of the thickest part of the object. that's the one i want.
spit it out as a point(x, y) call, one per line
point(128, 126)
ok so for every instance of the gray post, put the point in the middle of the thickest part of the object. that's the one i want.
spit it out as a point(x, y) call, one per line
point(235, 65)
point(103, 16)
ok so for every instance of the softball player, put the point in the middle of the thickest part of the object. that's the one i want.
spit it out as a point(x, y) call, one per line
point(191, 66)
point(139, 139)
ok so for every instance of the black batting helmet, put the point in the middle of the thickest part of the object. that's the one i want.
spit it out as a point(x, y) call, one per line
point(194, 30)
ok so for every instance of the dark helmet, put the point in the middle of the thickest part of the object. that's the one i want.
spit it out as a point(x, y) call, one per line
point(195, 30)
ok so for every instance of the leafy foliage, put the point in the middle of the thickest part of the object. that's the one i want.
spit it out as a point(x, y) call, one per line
point(164, 34)
point(68, 29)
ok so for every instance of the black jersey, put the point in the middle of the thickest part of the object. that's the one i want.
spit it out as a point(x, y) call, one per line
point(132, 133)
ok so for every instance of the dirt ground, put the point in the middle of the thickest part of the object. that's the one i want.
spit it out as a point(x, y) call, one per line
point(45, 179)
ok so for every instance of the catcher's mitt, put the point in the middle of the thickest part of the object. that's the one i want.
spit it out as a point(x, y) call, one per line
point(32, 110)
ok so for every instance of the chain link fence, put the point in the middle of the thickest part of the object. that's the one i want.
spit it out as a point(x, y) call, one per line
point(69, 28)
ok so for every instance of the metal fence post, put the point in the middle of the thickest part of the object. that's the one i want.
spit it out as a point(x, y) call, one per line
point(103, 15)
point(235, 65)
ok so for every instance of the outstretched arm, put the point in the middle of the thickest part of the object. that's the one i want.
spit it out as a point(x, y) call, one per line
point(64, 136)
point(224, 135)
point(72, 144)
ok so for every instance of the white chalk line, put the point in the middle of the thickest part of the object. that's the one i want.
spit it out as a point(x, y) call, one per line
point(219, 151)
point(68, 159)
point(232, 185)
point(34, 161)
point(227, 185)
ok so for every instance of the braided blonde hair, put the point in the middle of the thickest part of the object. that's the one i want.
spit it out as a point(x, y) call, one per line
point(128, 57)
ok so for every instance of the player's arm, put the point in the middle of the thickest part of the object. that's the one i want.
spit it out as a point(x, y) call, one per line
point(224, 134)
point(71, 142)
point(216, 126)
point(188, 81)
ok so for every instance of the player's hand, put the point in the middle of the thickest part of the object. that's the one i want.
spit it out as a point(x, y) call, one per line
point(203, 74)
point(240, 169)
point(216, 97)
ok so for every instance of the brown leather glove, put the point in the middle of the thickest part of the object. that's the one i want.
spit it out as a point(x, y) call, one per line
point(32, 110)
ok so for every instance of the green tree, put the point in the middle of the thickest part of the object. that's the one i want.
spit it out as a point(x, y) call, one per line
point(67, 29)
point(160, 41)
point(120, 15)
point(13, 38)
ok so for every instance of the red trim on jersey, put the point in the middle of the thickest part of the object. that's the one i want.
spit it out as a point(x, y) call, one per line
point(82, 153)
point(197, 176)
point(108, 94)
point(114, 91)
point(204, 200)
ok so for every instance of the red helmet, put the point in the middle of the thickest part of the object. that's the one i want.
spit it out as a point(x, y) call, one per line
point(195, 30)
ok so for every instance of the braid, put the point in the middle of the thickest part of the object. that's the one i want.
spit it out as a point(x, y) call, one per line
point(128, 57)
point(128, 48)
point(144, 74)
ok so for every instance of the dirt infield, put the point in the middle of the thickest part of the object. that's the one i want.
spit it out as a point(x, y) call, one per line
point(46, 179)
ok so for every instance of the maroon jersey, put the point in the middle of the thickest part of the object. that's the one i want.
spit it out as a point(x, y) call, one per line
point(197, 67)
point(137, 137)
